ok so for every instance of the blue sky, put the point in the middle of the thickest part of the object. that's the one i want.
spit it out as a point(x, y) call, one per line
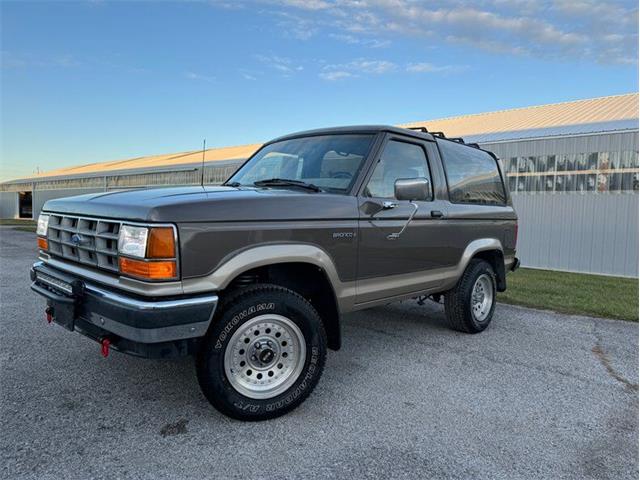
point(97, 80)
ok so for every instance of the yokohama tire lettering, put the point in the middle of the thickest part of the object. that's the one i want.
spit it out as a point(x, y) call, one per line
point(241, 316)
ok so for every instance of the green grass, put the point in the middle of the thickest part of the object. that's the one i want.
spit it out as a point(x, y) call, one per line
point(574, 293)
point(17, 221)
point(26, 228)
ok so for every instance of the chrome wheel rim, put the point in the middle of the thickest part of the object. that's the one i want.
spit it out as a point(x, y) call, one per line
point(482, 297)
point(265, 356)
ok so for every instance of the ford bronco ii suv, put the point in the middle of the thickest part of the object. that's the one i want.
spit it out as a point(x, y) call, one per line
point(252, 277)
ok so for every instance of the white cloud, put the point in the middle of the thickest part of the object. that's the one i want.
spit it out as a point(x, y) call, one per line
point(248, 76)
point(357, 68)
point(304, 4)
point(291, 25)
point(354, 40)
point(426, 67)
point(603, 31)
point(284, 65)
point(361, 66)
point(332, 76)
point(28, 60)
point(199, 77)
point(376, 67)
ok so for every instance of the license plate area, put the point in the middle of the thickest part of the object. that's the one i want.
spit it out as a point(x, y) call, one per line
point(61, 301)
point(63, 314)
point(60, 286)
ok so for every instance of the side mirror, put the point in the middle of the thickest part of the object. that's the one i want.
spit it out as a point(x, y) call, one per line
point(418, 188)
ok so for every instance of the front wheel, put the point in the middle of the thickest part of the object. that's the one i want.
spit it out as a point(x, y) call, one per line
point(470, 304)
point(263, 355)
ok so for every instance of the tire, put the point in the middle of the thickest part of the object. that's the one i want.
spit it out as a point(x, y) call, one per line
point(458, 302)
point(245, 381)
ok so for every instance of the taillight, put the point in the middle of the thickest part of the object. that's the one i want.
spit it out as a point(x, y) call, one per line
point(515, 242)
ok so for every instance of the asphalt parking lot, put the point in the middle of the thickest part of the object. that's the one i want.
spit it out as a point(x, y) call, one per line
point(537, 395)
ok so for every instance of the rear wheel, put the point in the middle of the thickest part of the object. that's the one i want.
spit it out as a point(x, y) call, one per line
point(469, 306)
point(263, 355)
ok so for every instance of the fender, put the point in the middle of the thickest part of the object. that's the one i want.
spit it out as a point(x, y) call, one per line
point(268, 255)
point(475, 247)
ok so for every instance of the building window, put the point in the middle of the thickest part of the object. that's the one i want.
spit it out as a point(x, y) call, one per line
point(595, 172)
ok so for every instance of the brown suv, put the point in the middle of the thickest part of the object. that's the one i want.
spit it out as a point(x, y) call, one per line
point(252, 277)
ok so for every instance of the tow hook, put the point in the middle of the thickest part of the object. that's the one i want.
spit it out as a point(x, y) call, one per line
point(105, 343)
point(48, 313)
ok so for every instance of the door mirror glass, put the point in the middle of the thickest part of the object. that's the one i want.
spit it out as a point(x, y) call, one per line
point(418, 188)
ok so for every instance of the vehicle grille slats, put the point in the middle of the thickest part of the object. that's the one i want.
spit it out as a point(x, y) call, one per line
point(98, 245)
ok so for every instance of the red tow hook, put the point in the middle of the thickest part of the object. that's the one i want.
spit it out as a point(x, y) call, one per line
point(48, 312)
point(105, 343)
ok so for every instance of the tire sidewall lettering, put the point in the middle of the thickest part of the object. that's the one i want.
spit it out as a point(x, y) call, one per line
point(301, 386)
point(290, 396)
point(244, 314)
point(230, 318)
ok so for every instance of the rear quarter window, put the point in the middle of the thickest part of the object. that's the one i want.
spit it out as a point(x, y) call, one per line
point(472, 175)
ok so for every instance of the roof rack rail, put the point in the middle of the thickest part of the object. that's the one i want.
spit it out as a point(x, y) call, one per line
point(418, 129)
point(455, 139)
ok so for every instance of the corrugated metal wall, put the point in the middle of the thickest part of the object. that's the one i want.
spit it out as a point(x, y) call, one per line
point(41, 196)
point(561, 145)
point(579, 232)
point(8, 204)
point(592, 232)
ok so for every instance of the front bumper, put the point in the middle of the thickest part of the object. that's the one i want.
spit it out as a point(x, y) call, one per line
point(149, 327)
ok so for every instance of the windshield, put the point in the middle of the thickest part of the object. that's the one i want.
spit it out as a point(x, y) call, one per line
point(330, 162)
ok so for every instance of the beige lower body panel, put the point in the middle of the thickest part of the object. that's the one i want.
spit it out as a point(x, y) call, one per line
point(382, 290)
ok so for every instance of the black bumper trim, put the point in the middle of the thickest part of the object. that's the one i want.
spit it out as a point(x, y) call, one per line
point(138, 320)
point(515, 265)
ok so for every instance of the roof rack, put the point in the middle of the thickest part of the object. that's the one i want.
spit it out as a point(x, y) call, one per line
point(442, 135)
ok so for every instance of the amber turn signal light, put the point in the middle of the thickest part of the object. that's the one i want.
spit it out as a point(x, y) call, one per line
point(161, 243)
point(43, 244)
point(164, 270)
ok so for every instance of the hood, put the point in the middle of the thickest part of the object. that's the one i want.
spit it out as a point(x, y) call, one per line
point(204, 204)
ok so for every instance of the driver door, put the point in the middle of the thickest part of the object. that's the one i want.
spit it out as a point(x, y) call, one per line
point(388, 267)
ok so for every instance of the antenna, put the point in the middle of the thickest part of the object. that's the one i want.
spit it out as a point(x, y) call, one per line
point(204, 146)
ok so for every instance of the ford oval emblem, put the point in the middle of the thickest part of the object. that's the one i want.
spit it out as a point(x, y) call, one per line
point(77, 239)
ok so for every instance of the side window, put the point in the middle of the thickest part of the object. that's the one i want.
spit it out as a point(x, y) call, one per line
point(472, 175)
point(398, 160)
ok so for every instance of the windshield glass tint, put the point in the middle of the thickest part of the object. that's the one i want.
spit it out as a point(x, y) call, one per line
point(331, 162)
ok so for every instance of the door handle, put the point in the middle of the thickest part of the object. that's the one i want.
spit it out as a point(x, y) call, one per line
point(436, 214)
point(389, 205)
point(396, 235)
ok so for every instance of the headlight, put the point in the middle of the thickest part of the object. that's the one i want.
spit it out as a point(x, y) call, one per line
point(43, 224)
point(156, 249)
point(133, 241)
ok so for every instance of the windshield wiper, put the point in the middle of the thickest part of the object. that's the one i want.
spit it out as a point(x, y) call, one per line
point(285, 182)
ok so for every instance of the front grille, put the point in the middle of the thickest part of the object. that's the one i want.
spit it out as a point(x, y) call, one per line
point(91, 241)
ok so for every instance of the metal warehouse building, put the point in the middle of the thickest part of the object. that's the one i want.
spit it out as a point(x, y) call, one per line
point(572, 169)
